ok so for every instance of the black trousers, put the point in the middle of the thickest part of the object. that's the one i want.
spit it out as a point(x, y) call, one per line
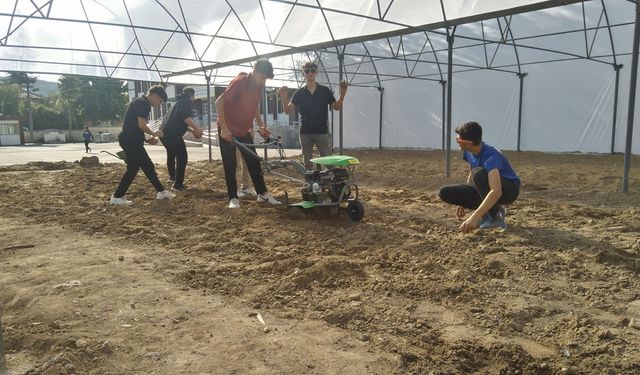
point(136, 158)
point(228, 151)
point(471, 195)
point(176, 158)
point(86, 146)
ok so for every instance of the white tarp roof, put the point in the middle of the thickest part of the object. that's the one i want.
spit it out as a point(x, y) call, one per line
point(568, 48)
point(145, 39)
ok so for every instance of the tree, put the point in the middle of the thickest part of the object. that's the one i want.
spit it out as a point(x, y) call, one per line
point(51, 113)
point(25, 80)
point(94, 98)
point(10, 100)
point(70, 91)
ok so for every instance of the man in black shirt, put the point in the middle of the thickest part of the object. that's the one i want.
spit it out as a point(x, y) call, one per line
point(312, 101)
point(132, 142)
point(174, 125)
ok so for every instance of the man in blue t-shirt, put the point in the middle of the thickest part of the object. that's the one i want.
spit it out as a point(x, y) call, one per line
point(491, 183)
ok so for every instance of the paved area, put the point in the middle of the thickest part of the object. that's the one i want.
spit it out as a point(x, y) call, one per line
point(75, 151)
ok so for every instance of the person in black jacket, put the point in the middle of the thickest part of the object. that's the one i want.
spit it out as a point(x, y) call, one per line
point(132, 138)
point(174, 125)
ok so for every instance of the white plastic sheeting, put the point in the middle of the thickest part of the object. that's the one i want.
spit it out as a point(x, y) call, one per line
point(567, 103)
point(143, 39)
point(556, 117)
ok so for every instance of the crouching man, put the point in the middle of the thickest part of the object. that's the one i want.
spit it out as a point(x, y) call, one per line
point(492, 183)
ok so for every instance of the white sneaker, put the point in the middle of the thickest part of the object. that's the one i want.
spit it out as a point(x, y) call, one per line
point(165, 195)
point(247, 192)
point(267, 198)
point(120, 201)
point(234, 203)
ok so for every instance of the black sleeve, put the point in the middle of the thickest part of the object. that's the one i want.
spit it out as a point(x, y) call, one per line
point(295, 99)
point(185, 110)
point(330, 98)
point(142, 109)
point(166, 120)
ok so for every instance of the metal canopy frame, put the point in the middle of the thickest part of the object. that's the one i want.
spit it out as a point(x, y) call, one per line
point(352, 58)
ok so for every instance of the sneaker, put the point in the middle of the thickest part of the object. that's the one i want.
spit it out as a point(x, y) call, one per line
point(120, 201)
point(267, 198)
point(234, 203)
point(177, 189)
point(489, 222)
point(247, 192)
point(165, 195)
point(502, 211)
point(486, 219)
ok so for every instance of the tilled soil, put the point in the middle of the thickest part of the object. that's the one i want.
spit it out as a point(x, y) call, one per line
point(557, 292)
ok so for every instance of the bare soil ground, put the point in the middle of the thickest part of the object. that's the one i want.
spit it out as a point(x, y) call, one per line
point(173, 287)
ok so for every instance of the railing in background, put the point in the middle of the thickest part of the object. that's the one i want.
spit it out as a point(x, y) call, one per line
point(289, 133)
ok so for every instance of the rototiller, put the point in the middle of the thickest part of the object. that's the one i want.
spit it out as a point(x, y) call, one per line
point(333, 187)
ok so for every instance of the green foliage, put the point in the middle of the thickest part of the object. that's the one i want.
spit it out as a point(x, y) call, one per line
point(25, 81)
point(83, 99)
point(22, 79)
point(94, 98)
point(10, 103)
point(53, 113)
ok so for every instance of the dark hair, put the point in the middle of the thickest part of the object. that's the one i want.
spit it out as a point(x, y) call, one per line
point(470, 131)
point(309, 65)
point(264, 67)
point(158, 90)
point(189, 91)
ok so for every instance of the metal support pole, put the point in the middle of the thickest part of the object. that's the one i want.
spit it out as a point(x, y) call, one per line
point(521, 77)
point(275, 106)
point(265, 104)
point(3, 367)
point(381, 89)
point(632, 100)
point(29, 109)
point(340, 123)
point(450, 39)
point(332, 132)
point(444, 110)
point(615, 108)
point(70, 123)
point(265, 107)
point(208, 78)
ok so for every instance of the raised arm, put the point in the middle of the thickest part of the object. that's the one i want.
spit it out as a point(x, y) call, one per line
point(337, 105)
point(287, 105)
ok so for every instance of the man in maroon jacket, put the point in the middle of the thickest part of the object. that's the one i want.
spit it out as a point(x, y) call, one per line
point(237, 107)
